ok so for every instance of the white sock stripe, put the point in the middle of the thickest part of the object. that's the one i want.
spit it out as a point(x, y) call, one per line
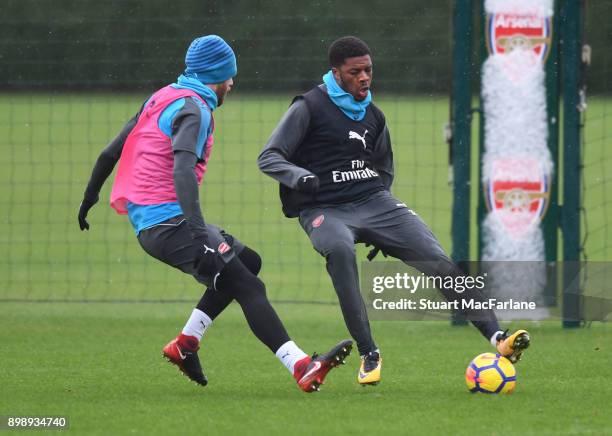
point(494, 338)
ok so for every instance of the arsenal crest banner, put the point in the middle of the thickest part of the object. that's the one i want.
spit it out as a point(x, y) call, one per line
point(516, 165)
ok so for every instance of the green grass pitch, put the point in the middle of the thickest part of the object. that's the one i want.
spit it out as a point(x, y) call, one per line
point(100, 363)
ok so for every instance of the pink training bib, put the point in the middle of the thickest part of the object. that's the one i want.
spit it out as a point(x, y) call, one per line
point(144, 175)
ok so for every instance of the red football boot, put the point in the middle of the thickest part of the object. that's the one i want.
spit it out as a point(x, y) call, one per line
point(310, 372)
point(182, 351)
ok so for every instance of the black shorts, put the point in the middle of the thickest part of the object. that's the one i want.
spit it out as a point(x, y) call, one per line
point(171, 242)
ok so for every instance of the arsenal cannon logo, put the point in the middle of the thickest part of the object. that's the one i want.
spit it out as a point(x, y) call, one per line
point(508, 32)
point(518, 193)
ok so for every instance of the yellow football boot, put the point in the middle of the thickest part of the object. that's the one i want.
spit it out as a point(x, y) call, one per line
point(369, 371)
point(512, 346)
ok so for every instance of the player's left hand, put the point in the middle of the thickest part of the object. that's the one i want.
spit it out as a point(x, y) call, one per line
point(83, 210)
point(374, 252)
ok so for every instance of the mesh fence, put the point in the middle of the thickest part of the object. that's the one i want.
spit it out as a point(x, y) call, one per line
point(597, 141)
point(74, 72)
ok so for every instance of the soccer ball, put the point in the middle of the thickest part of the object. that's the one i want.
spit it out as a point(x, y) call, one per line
point(490, 373)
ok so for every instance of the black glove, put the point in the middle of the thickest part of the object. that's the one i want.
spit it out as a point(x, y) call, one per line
point(374, 252)
point(83, 209)
point(308, 184)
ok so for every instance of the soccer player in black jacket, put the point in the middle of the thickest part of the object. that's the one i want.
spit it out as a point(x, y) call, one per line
point(331, 154)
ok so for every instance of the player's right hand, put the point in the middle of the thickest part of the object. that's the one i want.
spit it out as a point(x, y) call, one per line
point(308, 184)
point(83, 210)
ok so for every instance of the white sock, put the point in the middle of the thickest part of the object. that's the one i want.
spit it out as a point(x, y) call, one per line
point(494, 338)
point(197, 324)
point(289, 354)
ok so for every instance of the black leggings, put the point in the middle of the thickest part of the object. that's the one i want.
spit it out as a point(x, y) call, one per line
point(238, 281)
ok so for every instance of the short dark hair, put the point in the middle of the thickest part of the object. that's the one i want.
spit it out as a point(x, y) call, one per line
point(346, 47)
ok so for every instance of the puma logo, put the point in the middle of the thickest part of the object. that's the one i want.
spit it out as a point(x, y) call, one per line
point(355, 135)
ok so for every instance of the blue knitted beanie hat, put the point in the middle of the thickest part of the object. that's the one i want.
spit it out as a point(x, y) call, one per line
point(211, 59)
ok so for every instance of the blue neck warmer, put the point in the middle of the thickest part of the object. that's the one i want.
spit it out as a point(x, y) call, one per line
point(190, 81)
point(352, 108)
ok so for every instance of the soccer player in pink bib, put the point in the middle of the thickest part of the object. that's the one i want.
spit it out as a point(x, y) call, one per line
point(163, 153)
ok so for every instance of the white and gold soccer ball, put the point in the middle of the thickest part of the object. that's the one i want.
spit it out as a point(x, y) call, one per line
point(490, 373)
